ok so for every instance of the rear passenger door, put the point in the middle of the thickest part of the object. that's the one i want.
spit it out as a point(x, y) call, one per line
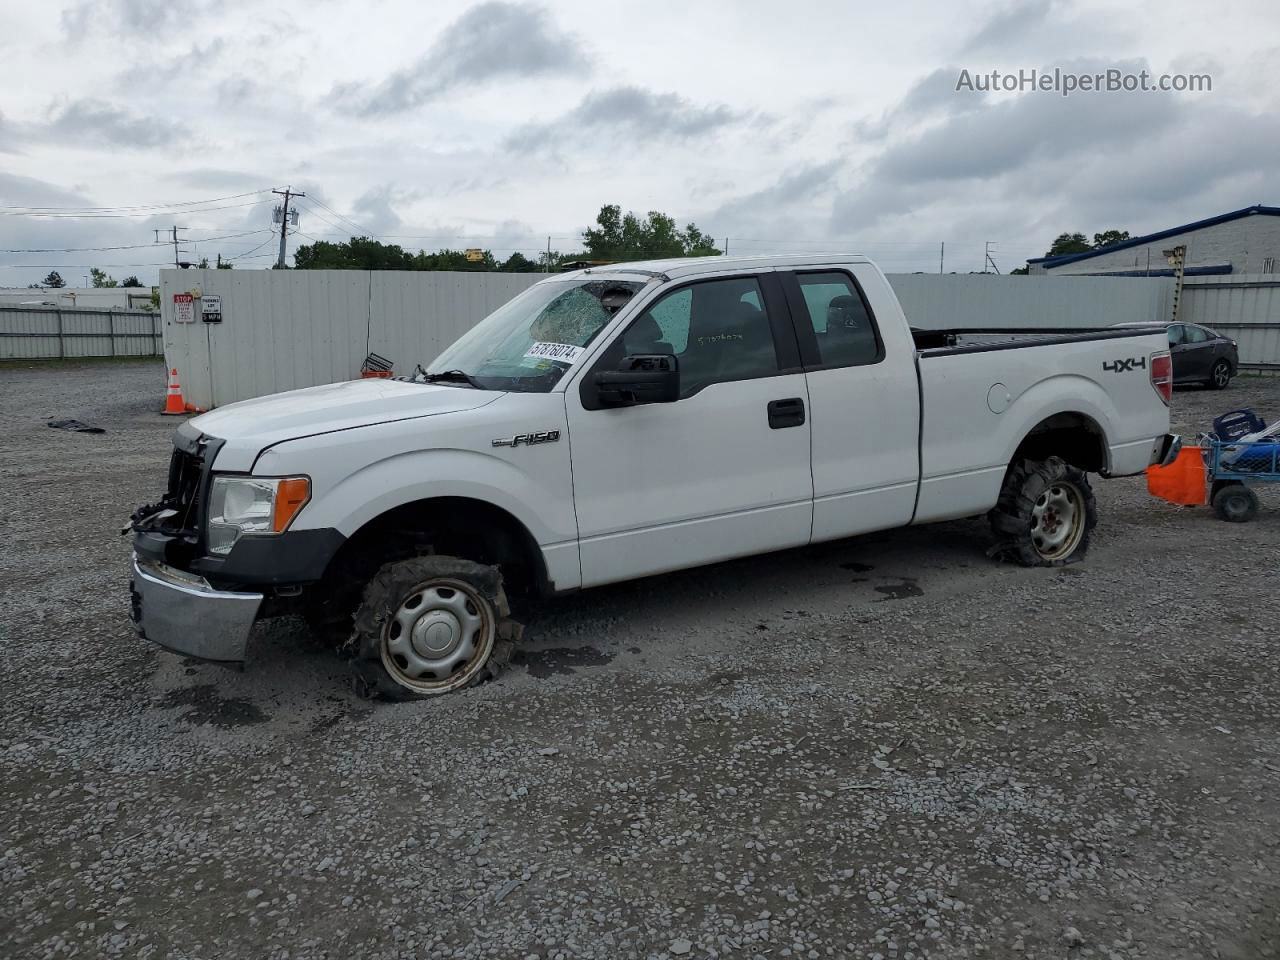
point(864, 400)
point(723, 471)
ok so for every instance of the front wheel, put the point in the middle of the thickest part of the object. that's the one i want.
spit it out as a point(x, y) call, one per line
point(431, 625)
point(1221, 375)
point(1045, 513)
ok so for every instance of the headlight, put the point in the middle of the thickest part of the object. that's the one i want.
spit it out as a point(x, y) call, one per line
point(239, 505)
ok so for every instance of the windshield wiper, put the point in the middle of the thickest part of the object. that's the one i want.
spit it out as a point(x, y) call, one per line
point(450, 376)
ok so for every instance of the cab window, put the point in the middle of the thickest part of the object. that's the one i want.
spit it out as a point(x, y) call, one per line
point(842, 324)
point(718, 330)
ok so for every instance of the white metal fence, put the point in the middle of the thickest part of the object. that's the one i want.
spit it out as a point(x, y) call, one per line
point(54, 332)
point(280, 330)
point(1245, 307)
point(938, 301)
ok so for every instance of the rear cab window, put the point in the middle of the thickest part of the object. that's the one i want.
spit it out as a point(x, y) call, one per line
point(833, 320)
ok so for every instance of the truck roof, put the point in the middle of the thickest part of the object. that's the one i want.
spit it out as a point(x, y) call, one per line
point(692, 266)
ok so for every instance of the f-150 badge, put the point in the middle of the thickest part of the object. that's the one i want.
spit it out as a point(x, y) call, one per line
point(528, 439)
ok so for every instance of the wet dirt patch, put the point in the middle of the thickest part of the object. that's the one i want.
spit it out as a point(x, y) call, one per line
point(207, 707)
point(897, 591)
point(546, 663)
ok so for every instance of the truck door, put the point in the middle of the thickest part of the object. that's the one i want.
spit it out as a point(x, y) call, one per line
point(864, 399)
point(720, 473)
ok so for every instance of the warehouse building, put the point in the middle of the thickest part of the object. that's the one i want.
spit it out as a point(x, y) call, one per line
point(1241, 242)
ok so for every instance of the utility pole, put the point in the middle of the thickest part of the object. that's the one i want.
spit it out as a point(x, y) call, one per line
point(548, 264)
point(173, 233)
point(287, 192)
point(987, 261)
point(942, 255)
point(726, 246)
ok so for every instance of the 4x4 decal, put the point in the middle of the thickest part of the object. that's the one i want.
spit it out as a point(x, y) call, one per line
point(1124, 366)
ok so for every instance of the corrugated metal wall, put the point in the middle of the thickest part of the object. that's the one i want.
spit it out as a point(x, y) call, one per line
point(49, 332)
point(287, 329)
point(937, 301)
point(282, 330)
point(1245, 307)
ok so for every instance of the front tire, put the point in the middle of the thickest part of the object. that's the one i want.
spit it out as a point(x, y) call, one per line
point(431, 625)
point(1045, 513)
point(1221, 375)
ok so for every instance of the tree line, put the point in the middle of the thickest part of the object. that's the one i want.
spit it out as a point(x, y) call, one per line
point(615, 237)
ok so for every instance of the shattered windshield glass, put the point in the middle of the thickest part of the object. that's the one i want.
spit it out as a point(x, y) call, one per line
point(530, 342)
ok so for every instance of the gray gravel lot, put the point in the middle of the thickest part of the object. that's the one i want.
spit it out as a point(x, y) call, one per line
point(885, 747)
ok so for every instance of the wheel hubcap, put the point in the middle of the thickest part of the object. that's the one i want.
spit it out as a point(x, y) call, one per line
point(439, 636)
point(1220, 376)
point(1057, 521)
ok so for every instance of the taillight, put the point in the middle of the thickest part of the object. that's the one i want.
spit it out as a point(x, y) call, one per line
point(1162, 375)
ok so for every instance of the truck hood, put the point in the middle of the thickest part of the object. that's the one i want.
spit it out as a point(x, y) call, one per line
point(250, 426)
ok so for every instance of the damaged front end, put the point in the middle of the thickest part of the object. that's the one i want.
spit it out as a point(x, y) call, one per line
point(170, 603)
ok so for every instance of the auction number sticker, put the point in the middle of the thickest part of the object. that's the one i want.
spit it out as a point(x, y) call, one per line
point(564, 352)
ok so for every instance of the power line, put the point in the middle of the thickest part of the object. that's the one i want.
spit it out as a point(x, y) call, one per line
point(249, 253)
point(137, 206)
point(344, 219)
point(127, 216)
point(340, 229)
point(134, 246)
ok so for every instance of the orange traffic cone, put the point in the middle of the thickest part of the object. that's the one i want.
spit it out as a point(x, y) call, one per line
point(173, 403)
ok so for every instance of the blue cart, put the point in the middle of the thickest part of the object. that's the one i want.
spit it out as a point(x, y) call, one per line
point(1240, 453)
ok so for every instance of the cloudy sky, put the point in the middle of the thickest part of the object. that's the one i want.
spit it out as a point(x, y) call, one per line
point(784, 127)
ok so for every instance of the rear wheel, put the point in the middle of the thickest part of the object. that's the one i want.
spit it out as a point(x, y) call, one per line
point(1221, 375)
point(1235, 503)
point(431, 625)
point(1045, 513)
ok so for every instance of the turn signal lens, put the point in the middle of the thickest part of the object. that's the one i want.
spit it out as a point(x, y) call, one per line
point(292, 494)
point(1162, 375)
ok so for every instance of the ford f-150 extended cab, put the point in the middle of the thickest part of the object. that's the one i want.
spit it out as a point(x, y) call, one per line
point(623, 421)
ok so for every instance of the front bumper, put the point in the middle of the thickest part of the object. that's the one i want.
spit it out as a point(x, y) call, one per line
point(182, 613)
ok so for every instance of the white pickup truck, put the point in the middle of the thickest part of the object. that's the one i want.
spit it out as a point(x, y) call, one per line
point(623, 421)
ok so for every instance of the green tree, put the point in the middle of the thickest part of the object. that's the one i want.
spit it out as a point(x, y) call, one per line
point(1018, 272)
point(1068, 243)
point(626, 237)
point(99, 278)
point(359, 253)
point(519, 263)
point(1108, 237)
point(131, 282)
point(224, 264)
point(54, 279)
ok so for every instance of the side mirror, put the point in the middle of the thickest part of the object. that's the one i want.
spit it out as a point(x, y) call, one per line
point(643, 378)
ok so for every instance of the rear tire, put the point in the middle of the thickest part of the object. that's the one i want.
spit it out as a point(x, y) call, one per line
point(1045, 514)
point(431, 625)
point(1235, 503)
point(1221, 375)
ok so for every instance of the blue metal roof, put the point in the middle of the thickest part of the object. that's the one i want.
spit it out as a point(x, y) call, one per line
point(1256, 209)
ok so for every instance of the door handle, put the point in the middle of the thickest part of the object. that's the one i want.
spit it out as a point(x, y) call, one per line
point(786, 413)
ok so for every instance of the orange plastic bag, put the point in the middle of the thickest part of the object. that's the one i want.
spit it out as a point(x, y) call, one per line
point(1182, 481)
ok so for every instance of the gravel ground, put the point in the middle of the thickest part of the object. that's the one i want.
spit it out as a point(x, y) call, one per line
point(885, 747)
